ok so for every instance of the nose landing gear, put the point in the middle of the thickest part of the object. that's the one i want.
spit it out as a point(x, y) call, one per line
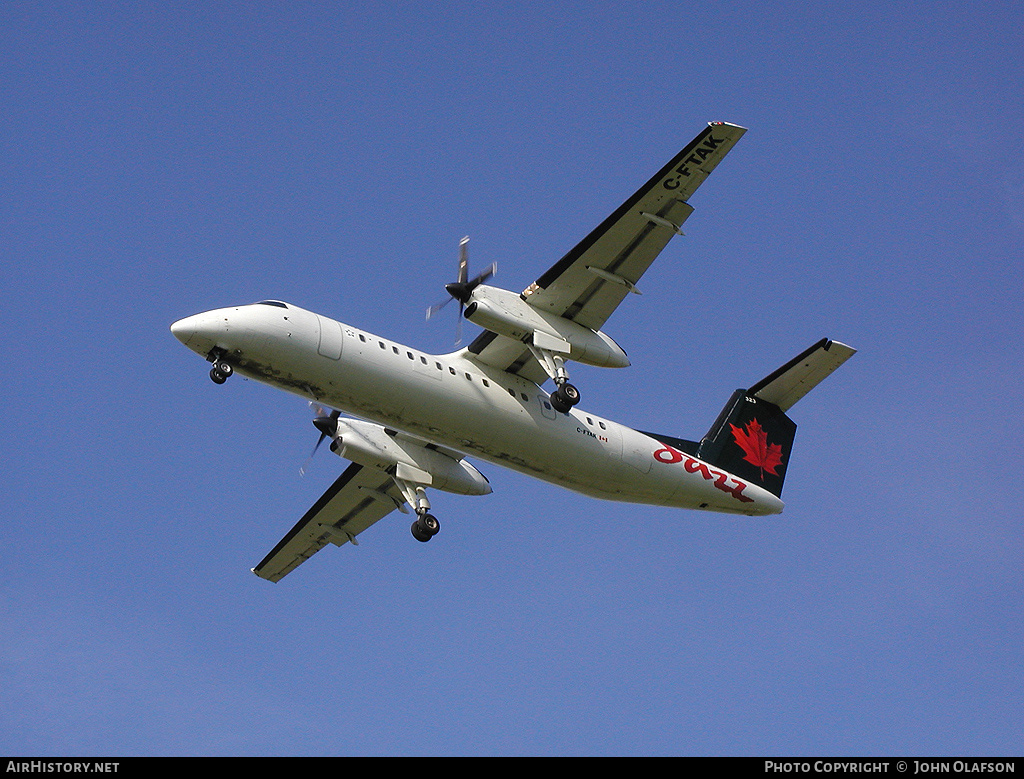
point(221, 371)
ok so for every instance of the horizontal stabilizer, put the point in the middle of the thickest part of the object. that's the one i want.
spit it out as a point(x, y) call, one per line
point(803, 373)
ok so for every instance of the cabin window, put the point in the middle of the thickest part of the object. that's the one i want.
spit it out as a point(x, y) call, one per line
point(382, 346)
point(511, 392)
point(452, 372)
point(602, 425)
point(527, 399)
point(423, 359)
point(485, 383)
point(362, 338)
point(395, 348)
point(439, 366)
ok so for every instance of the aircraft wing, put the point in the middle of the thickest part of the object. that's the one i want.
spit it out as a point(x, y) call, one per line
point(358, 498)
point(589, 282)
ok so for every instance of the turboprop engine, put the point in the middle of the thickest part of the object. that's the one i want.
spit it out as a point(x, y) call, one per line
point(506, 313)
point(376, 447)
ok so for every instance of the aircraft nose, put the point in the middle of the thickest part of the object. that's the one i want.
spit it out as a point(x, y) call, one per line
point(186, 329)
point(201, 332)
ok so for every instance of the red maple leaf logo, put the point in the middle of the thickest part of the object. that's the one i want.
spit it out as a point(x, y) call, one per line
point(757, 451)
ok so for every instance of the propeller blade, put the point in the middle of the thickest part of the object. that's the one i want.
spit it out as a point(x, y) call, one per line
point(327, 424)
point(302, 469)
point(482, 277)
point(462, 289)
point(437, 307)
point(463, 260)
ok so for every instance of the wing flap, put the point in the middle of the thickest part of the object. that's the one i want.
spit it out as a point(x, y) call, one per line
point(357, 499)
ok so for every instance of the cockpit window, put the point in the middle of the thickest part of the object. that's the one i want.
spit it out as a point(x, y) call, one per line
point(277, 303)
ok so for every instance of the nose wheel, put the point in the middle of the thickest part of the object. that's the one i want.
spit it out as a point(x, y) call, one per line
point(220, 372)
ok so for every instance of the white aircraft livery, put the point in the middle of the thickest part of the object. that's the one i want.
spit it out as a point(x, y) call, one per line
point(412, 418)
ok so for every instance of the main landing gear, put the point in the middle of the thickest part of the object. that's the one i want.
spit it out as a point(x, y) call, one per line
point(425, 527)
point(565, 397)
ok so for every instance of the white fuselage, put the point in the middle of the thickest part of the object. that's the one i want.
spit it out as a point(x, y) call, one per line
point(455, 402)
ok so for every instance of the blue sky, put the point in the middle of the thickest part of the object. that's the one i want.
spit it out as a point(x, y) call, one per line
point(162, 159)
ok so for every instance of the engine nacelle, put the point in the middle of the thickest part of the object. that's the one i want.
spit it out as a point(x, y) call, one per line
point(506, 313)
point(373, 446)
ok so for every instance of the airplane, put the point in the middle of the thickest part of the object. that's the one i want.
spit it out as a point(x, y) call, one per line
point(412, 417)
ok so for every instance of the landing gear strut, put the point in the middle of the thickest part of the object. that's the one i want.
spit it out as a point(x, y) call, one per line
point(566, 395)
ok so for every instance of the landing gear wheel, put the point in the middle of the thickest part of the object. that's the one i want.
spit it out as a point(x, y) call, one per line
point(570, 393)
point(558, 404)
point(425, 528)
point(565, 397)
point(429, 524)
point(220, 372)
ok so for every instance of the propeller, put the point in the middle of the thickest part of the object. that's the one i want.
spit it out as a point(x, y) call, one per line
point(327, 424)
point(462, 289)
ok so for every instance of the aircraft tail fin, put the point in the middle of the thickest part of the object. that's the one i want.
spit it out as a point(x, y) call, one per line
point(752, 437)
